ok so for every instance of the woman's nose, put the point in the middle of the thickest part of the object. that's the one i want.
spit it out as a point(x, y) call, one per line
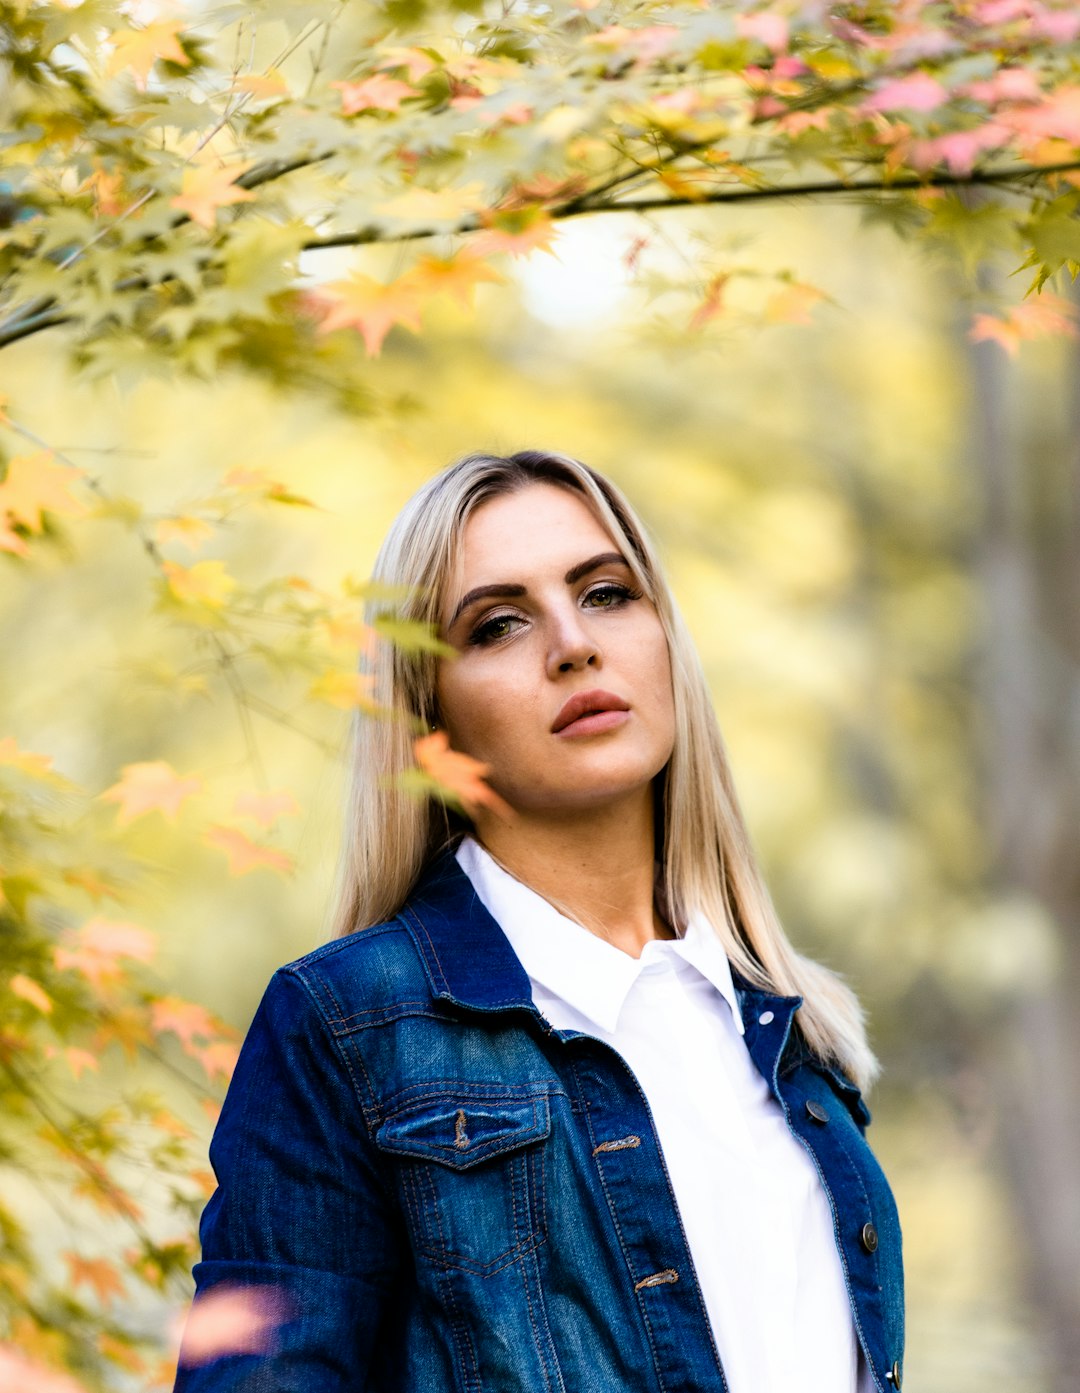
point(572, 646)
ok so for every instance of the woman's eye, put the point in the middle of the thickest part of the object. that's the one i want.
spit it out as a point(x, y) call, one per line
point(491, 630)
point(609, 596)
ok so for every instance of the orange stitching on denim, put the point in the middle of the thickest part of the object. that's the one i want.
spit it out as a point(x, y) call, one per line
point(658, 1279)
point(460, 1139)
point(622, 1144)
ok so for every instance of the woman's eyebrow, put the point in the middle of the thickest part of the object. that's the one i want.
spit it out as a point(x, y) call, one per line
point(484, 592)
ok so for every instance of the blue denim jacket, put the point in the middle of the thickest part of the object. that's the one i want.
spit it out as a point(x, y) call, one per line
point(420, 1166)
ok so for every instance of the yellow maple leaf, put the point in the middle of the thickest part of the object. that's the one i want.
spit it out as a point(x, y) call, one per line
point(192, 532)
point(244, 854)
point(424, 206)
point(793, 304)
point(98, 1273)
point(363, 303)
point(37, 484)
point(31, 991)
point(458, 275)
point(266, 808)
point(24, 760)
point(263, 86)
point(459, 774)
point(346, 690)
point(205, 583)
point(204, 188)
point(139, 49)
point(153, 785)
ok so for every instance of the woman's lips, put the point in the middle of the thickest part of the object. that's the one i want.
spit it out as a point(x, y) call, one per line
point(589, 713)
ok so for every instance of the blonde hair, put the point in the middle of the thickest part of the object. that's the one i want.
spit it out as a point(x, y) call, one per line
point(708, 864)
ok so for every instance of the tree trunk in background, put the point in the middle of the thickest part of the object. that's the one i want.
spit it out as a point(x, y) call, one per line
point(1028, 689)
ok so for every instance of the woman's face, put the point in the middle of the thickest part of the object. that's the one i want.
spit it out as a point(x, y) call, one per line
point(544, 610)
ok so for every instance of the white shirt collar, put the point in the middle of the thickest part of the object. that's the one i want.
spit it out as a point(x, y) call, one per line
point(592, 976)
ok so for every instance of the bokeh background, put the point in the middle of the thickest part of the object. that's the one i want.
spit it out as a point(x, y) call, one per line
point(869, 522)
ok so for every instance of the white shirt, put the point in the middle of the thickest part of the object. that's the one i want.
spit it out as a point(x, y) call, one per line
point(757, 1219)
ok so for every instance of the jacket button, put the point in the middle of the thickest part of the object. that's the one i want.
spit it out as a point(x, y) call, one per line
point(869, 1237)
point(894, 1375)
point(816, 1111)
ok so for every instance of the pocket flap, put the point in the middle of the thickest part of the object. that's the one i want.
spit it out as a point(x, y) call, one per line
point(462, 1132)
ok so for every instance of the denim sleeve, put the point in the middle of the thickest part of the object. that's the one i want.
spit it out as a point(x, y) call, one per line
point(298, 1249)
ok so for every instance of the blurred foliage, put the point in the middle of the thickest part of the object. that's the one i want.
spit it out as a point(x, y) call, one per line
point(224, 217)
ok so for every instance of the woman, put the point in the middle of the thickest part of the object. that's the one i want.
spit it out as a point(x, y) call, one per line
point(568, 1113)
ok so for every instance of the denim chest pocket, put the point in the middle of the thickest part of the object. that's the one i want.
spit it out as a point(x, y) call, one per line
point(471, 1177)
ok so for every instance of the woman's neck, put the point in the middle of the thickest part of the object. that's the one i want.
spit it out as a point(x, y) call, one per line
point(596, 866)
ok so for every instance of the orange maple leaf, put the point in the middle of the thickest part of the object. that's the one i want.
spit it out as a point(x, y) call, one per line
point(1048, 314)
point(126, 1027)
point(458, 275)
point(218, 1059)
point(186, 1019)
point(94, 948)
point(266, 808)
point(31, 991)
point(18, 1373)
point(139, 49)
point(106, 186)
point(377, 93)
point(518, 231)
point(244, 854)
point(153, 785)
point(229, 1320)
point(712, 304)
point(35, 484)
point(81, 1060)
point(10, 540)
point(363, 303)
point(263, 86)
point(459, 774)
point(206, 583)
point(98, 1273)
point(204, 188)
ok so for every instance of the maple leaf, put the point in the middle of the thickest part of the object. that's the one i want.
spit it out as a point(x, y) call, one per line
point(192, 532)
point(792, 304)
point(229, 1320)
point(186, 1019)
point(461, 776)
point(19, 1373)
point(266, 808)
point(153, 785)
point(98, 1273)
point(204, 188)
point(769, 29)
point(518, 231)
point(1049, 314)
point(31, 991)
point(87, 878)
point(377, 93)
point(712, 304)
point(139, 49)
point(244, 854)
point(35, 484)
point(28, 763)
point(346, 690)
point(457, 275)
point(218, 1059)
point(93, 949)
point(371, 306)
point(434, 206)
point(11, 541)
point(415, 61)
point(916, 92)
point(79, 1061)
point(206, 583)
point(126, 1027)
point(105, 185)
point(263, 86)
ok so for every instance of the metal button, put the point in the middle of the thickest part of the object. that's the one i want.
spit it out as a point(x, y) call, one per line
point(765, 1018)
point(894, 1375)
point(869, 1237)
point(816, 1111)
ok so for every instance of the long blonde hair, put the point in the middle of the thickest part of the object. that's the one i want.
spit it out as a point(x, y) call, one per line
point(708, 864)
